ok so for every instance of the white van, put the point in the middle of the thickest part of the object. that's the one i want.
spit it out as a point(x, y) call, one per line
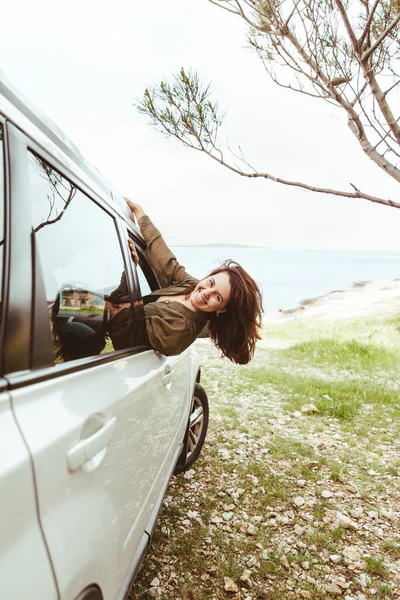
point(89, 435)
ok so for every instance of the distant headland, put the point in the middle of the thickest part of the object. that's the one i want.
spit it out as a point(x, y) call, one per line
point(220, 245)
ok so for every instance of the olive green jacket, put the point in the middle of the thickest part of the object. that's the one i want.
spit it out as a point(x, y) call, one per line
point(171, 326)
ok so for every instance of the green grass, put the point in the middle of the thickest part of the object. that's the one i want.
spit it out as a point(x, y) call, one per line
point(392, 548)
point(340, 399)
point(376, 567)
point(350, 355)
point(281, 447)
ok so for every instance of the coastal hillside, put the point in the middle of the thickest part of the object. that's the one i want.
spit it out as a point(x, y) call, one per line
point(296, 494)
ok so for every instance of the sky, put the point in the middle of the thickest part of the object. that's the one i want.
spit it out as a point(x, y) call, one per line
point(85, 64)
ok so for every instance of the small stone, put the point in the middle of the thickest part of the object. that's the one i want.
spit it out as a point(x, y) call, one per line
point(253, 479)
point(251, 529)
point(298, 501)
point(357, 513)
point(189, 474)
point(285, 562)
point(326, 494)
point(345, 521)
point(245, 577)
point(308, 517)
point(154, 592)
point(298, 529)
point(230, 585)
point(192, 514)
point(333, 589)
point(224, 454)
point(309, 409)
point(265, 555)
point(305, 594)
point(364, 580)
point(216, 520)
point(227, 516)
point(306, 565)
point(155, 582)
point(186, 523)
point(251, 562)
point(283, 520)
point(208, 541)
point(352, 553)
point(257, 519)
point(301, 482)
point(335, 558)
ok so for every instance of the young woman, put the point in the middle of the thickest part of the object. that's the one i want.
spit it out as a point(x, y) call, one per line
point(227, 302)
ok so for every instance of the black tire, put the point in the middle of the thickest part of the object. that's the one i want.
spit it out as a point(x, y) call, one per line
point(197, 430)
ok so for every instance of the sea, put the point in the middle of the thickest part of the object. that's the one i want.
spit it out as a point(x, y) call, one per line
point(288, 277)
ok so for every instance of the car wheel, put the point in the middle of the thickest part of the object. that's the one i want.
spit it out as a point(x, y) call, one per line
point(197, 430)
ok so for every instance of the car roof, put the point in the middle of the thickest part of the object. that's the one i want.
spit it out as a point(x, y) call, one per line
point(41, 129)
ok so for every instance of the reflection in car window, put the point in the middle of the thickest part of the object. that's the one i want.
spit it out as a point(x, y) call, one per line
point(81, 261)
point(1, 211)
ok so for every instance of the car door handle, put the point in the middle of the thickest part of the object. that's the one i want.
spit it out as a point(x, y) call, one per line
point(89, 447)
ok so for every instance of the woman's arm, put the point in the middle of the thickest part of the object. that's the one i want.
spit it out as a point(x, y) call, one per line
point(160, 257)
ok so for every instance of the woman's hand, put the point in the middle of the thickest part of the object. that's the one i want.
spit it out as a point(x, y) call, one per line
point(135, 208)
point(133, 252)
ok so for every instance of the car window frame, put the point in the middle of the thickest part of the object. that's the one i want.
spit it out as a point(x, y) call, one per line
point(5, 206)
point(39, 367)
point(145, 266)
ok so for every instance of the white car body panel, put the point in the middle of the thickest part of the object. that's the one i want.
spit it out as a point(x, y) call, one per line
point(101, 508)
point(23, 550)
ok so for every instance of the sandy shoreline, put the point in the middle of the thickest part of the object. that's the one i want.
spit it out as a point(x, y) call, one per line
point(363, 299)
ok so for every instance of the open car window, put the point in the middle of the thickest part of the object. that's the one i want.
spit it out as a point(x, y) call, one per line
point(82, 265)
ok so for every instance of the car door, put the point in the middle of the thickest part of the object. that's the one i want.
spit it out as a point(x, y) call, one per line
point(176, 375)
point(22, 545)
point(86, 411)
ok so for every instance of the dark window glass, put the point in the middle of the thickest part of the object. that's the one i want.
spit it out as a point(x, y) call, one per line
point(82, 266)
point(147, 280)
point(1, 211)
point(143, 283)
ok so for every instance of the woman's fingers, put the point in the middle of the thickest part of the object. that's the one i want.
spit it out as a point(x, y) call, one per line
point(131, 204)
point(133, 252)
point(135, 208)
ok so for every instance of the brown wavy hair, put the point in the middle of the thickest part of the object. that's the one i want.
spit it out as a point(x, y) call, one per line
point(236, 331)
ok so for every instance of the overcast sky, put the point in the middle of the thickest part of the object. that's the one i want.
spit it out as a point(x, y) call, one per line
point(84, 63)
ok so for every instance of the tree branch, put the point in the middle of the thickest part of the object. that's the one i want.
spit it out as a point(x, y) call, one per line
point(357, 194)
point(368, 24)
point(380, 39)
point(347, 25)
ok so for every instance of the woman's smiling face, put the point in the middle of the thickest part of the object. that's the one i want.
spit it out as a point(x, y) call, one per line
point(212, 293)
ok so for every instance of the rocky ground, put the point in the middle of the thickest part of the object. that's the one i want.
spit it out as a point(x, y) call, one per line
point(296, 494)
